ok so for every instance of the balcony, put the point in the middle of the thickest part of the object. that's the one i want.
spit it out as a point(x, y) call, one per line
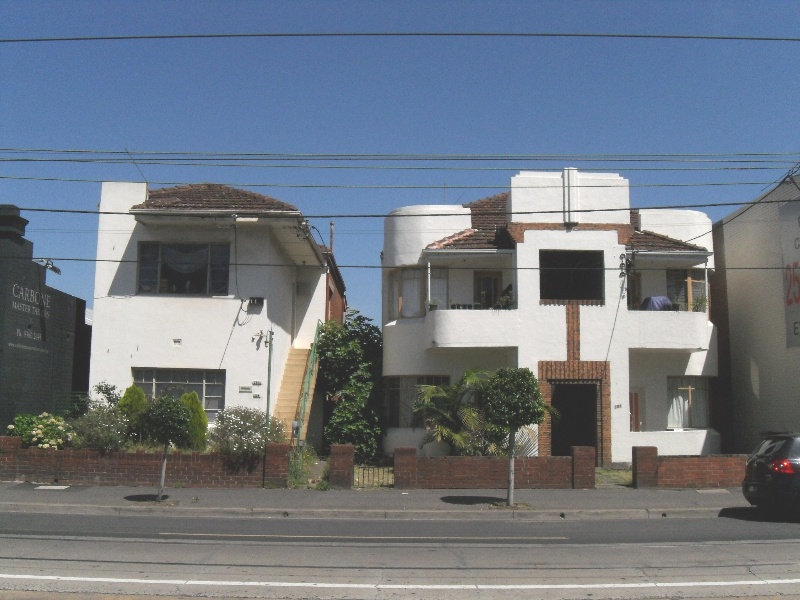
point(678, 330)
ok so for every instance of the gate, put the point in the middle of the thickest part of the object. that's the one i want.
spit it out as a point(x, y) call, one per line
point(365, 476)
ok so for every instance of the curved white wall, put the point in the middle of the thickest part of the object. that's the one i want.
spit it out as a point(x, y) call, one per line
point(408, 230)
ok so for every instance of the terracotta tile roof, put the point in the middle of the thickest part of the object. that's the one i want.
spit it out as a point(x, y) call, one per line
point(489, 229)
point(647, 241)
point(211, 197)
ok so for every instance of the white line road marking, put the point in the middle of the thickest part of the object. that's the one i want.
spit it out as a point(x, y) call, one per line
point(51, 487)
point(381, 538)
point(410, 586)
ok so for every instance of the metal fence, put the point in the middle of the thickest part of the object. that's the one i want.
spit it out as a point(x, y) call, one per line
point(373, 476)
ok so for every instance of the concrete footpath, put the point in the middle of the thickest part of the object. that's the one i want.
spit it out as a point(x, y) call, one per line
point(613, 502)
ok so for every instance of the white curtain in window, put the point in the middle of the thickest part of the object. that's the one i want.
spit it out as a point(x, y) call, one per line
point(411, 294)
point(688, 402)
point(439, 287)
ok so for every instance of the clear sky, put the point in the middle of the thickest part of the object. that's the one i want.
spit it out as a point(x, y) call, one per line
point(433, 96)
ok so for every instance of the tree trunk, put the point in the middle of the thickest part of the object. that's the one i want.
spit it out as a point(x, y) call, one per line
point(512, 439)
point(163, 473)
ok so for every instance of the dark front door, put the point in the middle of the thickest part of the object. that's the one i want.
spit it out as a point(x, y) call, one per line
point(577, 403)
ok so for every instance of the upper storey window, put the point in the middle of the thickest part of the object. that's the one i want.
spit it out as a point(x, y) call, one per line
point(197, 269)
point(571, 275)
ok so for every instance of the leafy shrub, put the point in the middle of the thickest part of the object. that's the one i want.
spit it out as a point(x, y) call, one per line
point(104, 428)
point(108, 392)
point(241, 434)
point(168, 422)
point(43, 431)
point(198, 421)
point(353, 421)
point(133, 406)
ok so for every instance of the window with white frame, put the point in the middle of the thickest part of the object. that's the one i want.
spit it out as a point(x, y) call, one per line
point(405, 293)
point(196, 269)
point(208, 383)
point(689, 402)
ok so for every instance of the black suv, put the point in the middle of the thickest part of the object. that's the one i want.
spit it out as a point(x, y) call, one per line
point(772, 477)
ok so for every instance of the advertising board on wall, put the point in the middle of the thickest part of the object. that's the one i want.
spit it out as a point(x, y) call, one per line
point(790, 245)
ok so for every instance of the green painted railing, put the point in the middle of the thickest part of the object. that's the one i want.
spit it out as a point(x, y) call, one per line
point(308, 378)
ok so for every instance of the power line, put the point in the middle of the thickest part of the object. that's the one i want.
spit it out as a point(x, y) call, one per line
point(405, 215)
point(354, 186)
point(402, 34)
point(361, 266)
point(667, 157)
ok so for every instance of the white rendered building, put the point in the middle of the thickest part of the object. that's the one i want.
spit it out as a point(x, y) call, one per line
point(758, 298)
point(560, 276)
point(206, 288)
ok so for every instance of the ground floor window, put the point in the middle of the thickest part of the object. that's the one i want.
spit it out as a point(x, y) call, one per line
point(689, 402)
point(402, 392)
point(208, 383)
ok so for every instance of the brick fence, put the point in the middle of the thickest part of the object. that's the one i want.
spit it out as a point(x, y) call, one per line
point(88, 467)
point(491, 472)
point(716, 471)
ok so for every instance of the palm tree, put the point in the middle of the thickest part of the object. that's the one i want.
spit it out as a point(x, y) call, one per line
point(454, 414)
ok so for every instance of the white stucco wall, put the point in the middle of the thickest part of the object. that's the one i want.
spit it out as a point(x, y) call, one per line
point(559, 197)
point(408, 230)
point(764, 370)
point(184, 332)
point(690, 226)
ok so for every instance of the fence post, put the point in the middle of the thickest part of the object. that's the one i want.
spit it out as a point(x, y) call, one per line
point(341, 465)
point(583, 462)
point(405, 468)
point(645, 466)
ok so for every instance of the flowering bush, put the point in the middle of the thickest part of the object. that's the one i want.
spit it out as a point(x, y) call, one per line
point(241, 434)
point(43, 431)
point(104, 428)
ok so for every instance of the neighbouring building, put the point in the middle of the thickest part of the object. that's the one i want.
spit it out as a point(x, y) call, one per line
point(211, 289)
point(44, 354)
point(608, 306)
point(757, 295)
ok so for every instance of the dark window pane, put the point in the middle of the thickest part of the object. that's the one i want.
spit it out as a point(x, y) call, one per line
point(571, 275)
point(220, 259)
point(148, 267)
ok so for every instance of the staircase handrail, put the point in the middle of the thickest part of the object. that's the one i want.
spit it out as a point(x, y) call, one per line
point(308, 377)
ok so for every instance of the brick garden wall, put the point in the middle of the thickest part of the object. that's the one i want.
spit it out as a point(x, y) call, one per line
point(88, 467)
point(715, 471)
point(489, 472)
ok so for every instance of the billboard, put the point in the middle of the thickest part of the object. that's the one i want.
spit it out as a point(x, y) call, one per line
point(790, 245)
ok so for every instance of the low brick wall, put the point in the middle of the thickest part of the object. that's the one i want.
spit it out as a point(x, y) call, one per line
point(491, 472)
point(715, 471)
point(138, 468)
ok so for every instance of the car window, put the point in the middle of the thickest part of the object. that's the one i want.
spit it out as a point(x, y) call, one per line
point(793, 451)
point(770, 447)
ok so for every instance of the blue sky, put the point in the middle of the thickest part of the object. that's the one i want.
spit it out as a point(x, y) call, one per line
point(387, 95)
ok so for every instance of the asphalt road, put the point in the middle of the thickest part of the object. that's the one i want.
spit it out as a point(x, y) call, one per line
point(738, 555)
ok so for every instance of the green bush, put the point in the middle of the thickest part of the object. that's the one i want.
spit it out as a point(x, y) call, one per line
point(103, 428)
point(198, 421)
point(353, 421)
point(133, 406)
point(43, 431)
point(241, 434)
point(168, 422)
point(108, 392)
